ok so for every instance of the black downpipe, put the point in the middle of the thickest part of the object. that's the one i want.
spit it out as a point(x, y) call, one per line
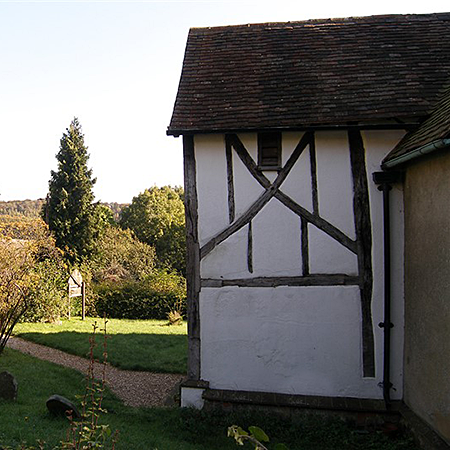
point(387, 325)
point(384, 181)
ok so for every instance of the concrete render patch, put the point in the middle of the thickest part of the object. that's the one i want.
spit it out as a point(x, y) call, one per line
point(192, 397)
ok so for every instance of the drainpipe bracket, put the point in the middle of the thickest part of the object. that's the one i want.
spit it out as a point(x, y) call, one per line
point(387, 178)
point(383, 324)
point(384, 187)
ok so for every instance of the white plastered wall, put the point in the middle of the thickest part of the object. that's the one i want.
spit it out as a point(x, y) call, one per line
point(295, 340)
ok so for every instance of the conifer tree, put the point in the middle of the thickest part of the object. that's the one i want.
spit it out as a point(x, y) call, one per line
point(69, 210)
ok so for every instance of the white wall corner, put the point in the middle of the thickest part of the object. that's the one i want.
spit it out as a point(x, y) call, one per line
point(192, 397)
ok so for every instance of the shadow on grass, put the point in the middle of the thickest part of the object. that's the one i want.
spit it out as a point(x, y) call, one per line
point(27, 419)
point(164, 353)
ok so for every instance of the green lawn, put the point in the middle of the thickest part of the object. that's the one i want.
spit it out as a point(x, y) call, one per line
point(27, 419)
point(148, 345)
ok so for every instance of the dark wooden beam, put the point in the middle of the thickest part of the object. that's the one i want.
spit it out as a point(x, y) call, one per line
point(313, 166)
point(407, 126)
point(237, 224)
point(192, 258)
point(295, 155)
point(270, 282)
point(250, 248)
point(248, 161)
point(314, 218)
point(305, 246)
point(262, 200)
point(230, 179)
point(320, 223)
point(363, 230)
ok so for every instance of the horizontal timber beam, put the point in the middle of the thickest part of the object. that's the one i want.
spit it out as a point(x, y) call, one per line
point(407, 126)
point(309, 280)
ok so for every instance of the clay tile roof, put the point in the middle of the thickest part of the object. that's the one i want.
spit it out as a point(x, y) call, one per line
point(317, 72)
point(433, 129)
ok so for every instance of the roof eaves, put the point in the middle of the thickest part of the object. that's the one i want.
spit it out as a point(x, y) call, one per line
point(326, 127)
point(416, 153)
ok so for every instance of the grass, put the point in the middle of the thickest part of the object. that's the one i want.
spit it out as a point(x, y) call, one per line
point(148, 345)
point(155, 347)
point(165, 429)
point(28, 420)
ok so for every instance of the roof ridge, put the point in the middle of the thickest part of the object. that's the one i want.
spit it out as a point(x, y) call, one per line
point(380, 18)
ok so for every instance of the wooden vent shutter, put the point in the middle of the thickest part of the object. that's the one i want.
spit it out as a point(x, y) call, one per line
point(269, 151)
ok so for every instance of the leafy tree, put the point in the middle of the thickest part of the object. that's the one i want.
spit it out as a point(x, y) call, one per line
point(69, 210)
point(156, 216)
point(103, 219)
point(119, 256)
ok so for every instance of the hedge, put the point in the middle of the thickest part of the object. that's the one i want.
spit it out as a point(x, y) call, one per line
point(152, 298)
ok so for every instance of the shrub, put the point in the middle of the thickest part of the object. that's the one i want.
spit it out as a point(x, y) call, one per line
point(120, 256)
point(48, 294)
point(32, 277)
point(13, 227)
point(15, 268)
point(153, 298)
point(48, 299)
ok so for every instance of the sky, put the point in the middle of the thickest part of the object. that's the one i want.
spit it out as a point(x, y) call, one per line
point(116, 66)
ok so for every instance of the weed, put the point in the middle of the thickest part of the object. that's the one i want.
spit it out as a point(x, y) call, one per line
point(88, 433)
point(175, 318)
point(255, 436)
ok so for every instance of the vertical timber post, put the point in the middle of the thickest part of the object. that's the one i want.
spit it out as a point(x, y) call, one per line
point(363, 230)
point(192, 257)
point(230, 179)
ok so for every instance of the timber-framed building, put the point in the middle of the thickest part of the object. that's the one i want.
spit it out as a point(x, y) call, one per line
point(295, 233)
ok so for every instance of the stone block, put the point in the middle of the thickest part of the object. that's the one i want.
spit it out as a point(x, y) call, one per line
point(60, 406)
point(8, 386)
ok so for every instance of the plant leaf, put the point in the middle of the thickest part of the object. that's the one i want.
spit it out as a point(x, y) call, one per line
point(241, 431)
point(280, 447)
point(258, 434)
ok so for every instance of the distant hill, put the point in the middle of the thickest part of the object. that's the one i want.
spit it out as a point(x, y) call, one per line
point(26, 208)
point(31, 209)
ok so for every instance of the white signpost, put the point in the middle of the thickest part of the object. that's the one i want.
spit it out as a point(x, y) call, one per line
point(77, 289)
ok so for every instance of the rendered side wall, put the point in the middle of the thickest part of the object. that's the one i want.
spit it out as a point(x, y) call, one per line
point(294, 340)
point(427, 291)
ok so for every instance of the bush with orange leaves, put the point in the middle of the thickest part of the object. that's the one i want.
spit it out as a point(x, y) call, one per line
point(32, 278)
point(16, 263)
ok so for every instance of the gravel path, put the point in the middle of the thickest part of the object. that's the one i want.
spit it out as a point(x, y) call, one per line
point(138, 389)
